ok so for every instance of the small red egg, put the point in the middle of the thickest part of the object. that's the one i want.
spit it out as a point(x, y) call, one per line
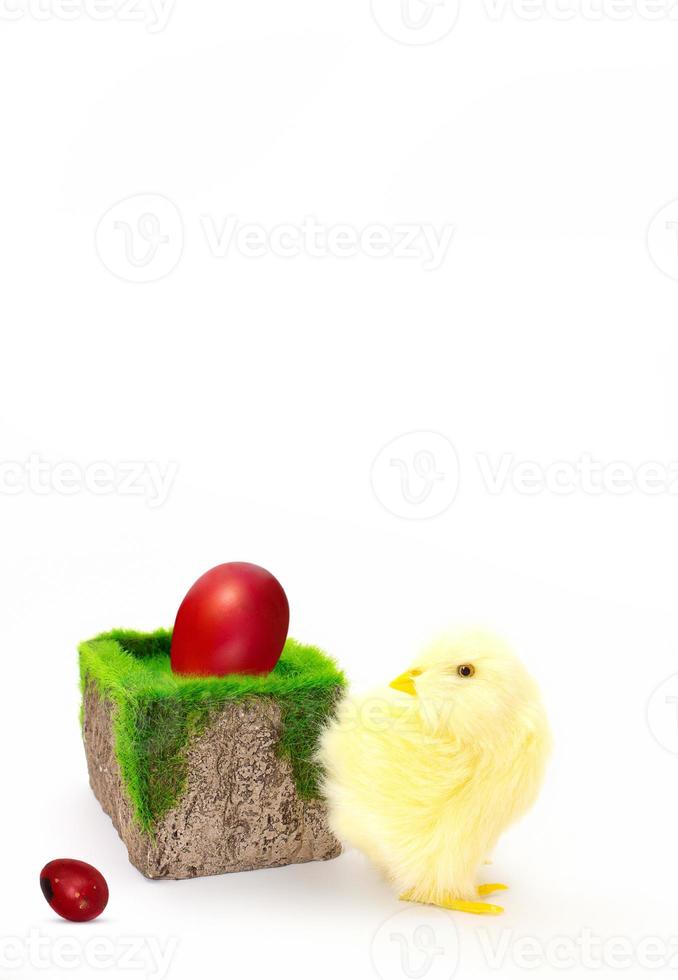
point(75, 890)
point(233, 620)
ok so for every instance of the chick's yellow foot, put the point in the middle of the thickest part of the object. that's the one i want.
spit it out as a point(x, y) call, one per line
point(491, 889)
point(457, 905)
point(475, 908)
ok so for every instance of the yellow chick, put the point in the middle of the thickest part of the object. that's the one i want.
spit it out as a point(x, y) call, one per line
point(424, 775)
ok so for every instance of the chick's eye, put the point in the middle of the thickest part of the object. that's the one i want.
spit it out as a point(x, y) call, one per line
point(466, 670)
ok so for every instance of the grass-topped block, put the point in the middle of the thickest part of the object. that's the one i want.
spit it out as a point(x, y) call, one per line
point(203, 775)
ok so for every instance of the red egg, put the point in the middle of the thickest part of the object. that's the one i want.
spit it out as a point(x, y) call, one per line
point(75, 890)
point(234, 620)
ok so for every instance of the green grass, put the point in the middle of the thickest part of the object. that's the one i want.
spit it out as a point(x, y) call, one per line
point(157, 711)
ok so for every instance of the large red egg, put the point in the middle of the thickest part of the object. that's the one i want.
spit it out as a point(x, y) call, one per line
point(74, 889)
point(234, 620)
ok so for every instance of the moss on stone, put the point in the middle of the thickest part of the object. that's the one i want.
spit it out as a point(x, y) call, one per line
point(156, 712)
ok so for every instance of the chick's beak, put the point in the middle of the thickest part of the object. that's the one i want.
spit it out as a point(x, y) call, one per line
point(405, 682)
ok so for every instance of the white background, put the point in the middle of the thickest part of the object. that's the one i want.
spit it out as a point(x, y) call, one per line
point(548, 332)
